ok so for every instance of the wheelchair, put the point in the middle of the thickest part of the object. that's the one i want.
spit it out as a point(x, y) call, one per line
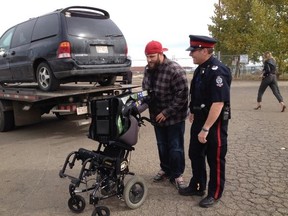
point(115, 124)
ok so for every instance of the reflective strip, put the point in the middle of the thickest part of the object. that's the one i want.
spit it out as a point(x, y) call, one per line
point(218, 161)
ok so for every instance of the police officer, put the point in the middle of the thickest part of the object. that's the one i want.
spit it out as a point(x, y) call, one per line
point(209, 113)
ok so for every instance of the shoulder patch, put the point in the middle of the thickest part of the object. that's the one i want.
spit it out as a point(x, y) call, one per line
point(219, 81)
point(214, 67)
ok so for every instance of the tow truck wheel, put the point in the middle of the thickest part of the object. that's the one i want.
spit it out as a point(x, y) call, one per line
point(6, 119)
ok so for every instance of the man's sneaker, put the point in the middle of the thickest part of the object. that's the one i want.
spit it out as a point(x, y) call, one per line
point(178, 182)
point(187, 191)
point(160, 176)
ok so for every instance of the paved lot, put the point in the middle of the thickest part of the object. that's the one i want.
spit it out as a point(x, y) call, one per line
point(257, 165)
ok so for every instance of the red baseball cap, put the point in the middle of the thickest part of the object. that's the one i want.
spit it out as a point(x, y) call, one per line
point(154, 47)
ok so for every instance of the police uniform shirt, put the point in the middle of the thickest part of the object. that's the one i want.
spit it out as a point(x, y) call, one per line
point(211, 83)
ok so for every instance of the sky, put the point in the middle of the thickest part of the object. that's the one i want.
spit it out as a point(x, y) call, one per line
point(168, 22)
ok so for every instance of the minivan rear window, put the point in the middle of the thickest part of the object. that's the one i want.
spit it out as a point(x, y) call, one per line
point(51, 27)
point(81, 27)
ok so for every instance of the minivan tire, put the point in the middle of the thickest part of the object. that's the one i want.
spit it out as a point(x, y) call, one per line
point(45, 78)
point(108, 81)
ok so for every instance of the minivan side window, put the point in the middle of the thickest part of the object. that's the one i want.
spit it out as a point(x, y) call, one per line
point(5, 40)
point(23, 33)
point(46, 26)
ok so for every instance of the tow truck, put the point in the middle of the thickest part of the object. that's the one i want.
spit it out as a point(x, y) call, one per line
point(24, 104)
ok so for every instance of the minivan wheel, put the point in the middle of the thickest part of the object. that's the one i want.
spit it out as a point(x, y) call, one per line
point(107, 81)
point(45, 78)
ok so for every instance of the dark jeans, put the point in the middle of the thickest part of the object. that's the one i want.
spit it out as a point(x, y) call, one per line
point(272, 83)
point(170, 143)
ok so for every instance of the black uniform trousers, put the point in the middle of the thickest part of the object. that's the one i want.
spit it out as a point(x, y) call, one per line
point(215, 150)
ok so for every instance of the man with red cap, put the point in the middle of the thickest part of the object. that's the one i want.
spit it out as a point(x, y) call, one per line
point(209, 114)
point(167, 85)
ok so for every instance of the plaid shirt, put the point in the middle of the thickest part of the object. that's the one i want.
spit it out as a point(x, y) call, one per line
point(169, 85)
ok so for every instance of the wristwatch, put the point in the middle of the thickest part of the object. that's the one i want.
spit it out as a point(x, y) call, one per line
point(204, 129)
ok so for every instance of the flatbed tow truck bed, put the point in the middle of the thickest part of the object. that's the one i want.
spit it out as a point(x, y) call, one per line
point(25, 104)
point(31, 93)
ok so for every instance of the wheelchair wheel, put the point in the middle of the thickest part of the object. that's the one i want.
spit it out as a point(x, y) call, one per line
point(101, 211)
point(135, 192)
point(76, 204)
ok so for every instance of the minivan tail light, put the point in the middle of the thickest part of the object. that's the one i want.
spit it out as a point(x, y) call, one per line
point(64, 50)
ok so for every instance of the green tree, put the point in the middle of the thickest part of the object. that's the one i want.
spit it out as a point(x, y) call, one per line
point(251, 27)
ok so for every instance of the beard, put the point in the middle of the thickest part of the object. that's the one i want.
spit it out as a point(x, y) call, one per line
point(154, 65)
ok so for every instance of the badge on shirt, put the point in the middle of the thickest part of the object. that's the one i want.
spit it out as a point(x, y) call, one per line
point(219, 81)
point(215, 67)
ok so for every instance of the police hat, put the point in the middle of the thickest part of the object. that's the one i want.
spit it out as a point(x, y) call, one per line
point(198, 41)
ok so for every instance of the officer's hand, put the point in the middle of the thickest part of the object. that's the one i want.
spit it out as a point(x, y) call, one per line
point(160, 118)
point(202, 136)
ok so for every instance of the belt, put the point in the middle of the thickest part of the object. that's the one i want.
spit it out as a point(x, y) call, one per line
point(197, 107)
point(270, 74)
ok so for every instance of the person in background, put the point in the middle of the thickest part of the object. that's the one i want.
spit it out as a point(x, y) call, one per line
point(209, 114)
point(166, 82)
point(269, 79)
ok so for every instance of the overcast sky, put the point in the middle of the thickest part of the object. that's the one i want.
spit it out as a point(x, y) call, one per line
point(141, 21)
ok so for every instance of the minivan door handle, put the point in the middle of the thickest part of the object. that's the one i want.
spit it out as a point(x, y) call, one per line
point(13, 53)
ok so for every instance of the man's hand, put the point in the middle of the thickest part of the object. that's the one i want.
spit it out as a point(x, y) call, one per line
point(160, 118)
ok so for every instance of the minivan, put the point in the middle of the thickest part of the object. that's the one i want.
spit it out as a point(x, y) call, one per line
point(75, 44)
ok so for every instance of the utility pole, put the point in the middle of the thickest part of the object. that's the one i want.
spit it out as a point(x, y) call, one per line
point(219, 53)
